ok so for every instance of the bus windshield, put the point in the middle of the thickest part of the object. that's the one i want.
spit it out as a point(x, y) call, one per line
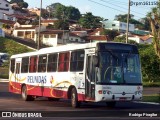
point(118, 67)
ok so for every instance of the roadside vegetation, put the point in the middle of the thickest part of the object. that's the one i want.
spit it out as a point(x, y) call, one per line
point(11, 47)
point(151, 98)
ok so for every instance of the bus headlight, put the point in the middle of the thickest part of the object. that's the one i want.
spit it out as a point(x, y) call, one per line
point(104, 92)
point(138, 92)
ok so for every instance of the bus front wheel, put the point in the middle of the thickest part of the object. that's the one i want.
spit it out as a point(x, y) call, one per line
point(74, 98)
point(25, 96)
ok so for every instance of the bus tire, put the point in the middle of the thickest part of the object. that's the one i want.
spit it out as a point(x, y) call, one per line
point(53, 99)
point(74, 98)
point(26, 97)
point(111, 104)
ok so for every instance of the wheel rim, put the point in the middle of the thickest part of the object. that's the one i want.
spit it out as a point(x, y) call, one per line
point(24, 93)
point(73, 99)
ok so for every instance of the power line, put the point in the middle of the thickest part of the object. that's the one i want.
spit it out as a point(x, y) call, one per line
point(121, 7)
point(124, 3)
point(111, 8)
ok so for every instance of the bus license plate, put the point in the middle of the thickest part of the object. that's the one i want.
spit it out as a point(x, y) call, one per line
point(122, 98)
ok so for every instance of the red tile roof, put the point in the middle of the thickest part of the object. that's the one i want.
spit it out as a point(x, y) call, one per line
point(7, 22)
point(73, 35)
point(144, 38)
point(24, 28)
point(96, 30)
point(53, 31)
point(48, 21)
point(99, 38)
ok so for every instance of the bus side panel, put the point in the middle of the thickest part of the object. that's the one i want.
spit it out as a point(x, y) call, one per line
point(46, 92)
point(14, 87)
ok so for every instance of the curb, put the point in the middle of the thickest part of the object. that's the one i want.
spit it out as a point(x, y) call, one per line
point(153, 103)
point(4, 80)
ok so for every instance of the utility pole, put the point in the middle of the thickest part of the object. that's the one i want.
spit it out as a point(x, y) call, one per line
point(128, 21)
point(39, 30)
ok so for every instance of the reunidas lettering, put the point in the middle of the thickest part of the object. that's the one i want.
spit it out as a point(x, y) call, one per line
point(36, 79)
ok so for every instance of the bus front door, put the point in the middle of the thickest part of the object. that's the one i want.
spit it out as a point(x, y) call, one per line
point(90, 78)
point(17, 71)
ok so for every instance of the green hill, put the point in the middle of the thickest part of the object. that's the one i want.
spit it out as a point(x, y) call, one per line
point(11, 47)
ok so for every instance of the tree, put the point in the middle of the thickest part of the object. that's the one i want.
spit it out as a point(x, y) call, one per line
point(60, 24)
point(150, 63)
point(89, 21)
point(64, 12)
point(122, 39)
point(154, 19)
point(21, 3)
point(111, 33)
point(72, 13)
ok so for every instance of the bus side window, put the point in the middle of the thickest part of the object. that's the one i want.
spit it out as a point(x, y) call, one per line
point(42, 63)
point(52, 63)
point(12, 67)
point(63, 62)
point(77, 60)
point(24, 65)
point(33, 64)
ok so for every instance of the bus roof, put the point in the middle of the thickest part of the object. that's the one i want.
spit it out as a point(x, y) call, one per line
point(62, 48)
point(57, 49)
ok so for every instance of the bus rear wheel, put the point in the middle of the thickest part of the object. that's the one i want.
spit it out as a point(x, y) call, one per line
point(74, 98)
point(26, 97)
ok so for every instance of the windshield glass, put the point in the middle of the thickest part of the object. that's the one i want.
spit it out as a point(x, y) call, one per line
point(118, 68)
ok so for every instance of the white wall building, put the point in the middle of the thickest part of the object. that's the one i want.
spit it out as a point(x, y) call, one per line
point(5, 9)
point(142, 39)
point(117, 25)
point(54, 37)
point(73, 38)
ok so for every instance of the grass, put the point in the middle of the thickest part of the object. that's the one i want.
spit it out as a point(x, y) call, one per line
point(152, 98)
point(152, 84)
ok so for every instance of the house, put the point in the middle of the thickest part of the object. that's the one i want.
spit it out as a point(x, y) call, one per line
point(97, 38)
point(48, 22)
point(140, 32)
point(146, 39)
point(73, 38)
point(80, 33)
point(97, 31)
point(117, 25)
point(54, 37)
point(5, 8)
point(7, 25)
point(27, 31)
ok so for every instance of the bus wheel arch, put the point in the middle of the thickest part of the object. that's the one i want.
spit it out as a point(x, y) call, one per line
point(24, 94)
point(70, 91)
point(74, 97)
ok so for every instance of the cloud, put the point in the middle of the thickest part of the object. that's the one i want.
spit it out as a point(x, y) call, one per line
point(84, 9)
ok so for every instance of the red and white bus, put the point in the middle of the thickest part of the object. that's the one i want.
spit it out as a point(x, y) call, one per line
point(94, 72)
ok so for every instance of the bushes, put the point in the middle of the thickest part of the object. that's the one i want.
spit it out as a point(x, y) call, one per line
point(150, 64)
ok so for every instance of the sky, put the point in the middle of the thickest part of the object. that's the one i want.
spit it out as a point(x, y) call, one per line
point(103, 8)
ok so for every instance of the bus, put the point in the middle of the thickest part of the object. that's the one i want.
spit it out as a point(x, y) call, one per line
point(3, 58)
point(91, 72)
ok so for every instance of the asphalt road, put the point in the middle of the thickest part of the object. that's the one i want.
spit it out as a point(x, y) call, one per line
point(62, 109)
